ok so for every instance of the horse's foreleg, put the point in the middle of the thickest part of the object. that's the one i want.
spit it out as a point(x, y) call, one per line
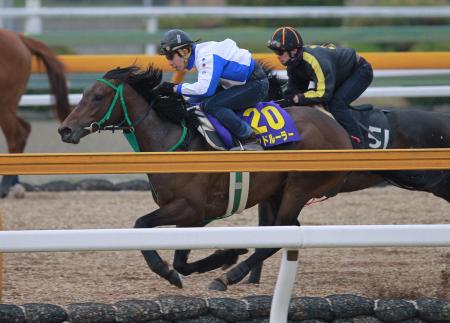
point(16, 131)
point(177, 212)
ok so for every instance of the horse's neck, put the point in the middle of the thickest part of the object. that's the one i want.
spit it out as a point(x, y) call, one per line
point(153, 133)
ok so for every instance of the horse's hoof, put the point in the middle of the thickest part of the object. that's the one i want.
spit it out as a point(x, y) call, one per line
point(17, 191)
point(251, 281)
point(217, 285)
point(175, 279)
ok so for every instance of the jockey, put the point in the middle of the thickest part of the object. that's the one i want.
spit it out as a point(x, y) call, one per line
point(228, 79)
point(328, 75)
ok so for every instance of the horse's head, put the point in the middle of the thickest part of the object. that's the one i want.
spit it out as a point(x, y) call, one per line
point(103, 104)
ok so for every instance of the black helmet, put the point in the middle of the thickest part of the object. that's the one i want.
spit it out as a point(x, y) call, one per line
point(285, 39)
point(173, 40)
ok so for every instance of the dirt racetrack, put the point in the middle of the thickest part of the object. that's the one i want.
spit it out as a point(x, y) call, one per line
point(63, 278)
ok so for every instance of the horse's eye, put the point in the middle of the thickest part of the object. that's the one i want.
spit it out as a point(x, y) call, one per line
point(98, 97)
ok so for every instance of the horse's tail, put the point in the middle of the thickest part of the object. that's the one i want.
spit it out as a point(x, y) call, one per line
point(55, 72)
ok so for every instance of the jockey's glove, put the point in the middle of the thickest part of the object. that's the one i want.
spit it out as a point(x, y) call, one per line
point(165, 88)
point(288, 100)
point(291, 99)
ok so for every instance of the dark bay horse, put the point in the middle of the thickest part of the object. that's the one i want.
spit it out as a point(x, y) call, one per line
point(410, 129)
point(192, 200)
point(16, 53)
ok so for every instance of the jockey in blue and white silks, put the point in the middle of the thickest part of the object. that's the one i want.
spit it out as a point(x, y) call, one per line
point(228, 79)
point(218, 63)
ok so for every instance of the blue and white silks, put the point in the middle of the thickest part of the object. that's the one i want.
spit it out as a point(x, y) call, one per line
point(218, 63)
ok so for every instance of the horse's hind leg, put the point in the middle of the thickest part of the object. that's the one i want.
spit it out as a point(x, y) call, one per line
point(443, 188)
point(220, 258)
point(16, 131)
point(299, 189)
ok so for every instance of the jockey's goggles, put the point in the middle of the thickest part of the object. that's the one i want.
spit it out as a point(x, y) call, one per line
point(278, 52)
point(276, 47)
point(170, 55)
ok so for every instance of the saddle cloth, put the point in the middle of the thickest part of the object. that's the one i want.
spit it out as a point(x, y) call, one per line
point(270, 122)
point(375, 126)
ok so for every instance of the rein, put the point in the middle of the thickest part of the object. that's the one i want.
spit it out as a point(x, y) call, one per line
point(128, 130)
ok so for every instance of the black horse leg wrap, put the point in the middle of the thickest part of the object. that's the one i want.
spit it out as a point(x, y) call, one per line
point(214, 261)
point(238, 273)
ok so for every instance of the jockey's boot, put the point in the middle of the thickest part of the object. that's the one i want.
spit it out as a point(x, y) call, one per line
point(357, 143)
point(250, 143)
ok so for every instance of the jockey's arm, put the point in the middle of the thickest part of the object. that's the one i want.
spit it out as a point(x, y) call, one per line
point(324, 76)
point(208, 78)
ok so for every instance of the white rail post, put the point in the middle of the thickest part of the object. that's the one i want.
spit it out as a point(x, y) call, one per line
point(151, 27)
point(283, 289)
point(33, 23)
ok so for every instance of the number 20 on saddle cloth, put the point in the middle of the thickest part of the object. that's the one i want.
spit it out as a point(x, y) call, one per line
point(271, 123)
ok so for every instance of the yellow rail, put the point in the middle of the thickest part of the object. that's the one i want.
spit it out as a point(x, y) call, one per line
point(103, 63)
point(218, 162)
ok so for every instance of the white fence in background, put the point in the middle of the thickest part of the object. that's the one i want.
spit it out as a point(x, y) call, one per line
point(231, 11)
point(289, 238)
point(375, 92)
point(33, 12)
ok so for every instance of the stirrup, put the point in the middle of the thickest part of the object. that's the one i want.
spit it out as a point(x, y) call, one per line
point(251, 146)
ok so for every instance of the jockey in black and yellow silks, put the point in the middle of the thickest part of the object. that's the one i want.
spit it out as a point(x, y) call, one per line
point(328, 75)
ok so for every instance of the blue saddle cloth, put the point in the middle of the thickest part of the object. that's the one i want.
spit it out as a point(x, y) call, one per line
point(270, 122)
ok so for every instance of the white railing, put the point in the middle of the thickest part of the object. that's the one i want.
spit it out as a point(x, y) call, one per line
point(233, 12)
point(33, 13)
point(375, 92)
point(289, 238)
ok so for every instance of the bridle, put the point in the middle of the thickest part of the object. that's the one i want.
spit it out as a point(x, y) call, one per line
point(129, 128)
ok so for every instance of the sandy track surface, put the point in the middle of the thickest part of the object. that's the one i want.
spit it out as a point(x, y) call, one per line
point(69, 277)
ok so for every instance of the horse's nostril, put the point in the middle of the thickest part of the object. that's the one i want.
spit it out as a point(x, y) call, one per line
point(65, 131)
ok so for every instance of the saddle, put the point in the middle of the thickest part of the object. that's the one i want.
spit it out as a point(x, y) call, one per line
point(375, 126)
point(272, 125)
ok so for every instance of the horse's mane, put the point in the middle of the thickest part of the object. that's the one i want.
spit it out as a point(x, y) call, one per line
point(275, 83)
point(144, 82)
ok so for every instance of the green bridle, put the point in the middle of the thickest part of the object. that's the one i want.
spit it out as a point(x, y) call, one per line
point(129, 130)
point(119, 95)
